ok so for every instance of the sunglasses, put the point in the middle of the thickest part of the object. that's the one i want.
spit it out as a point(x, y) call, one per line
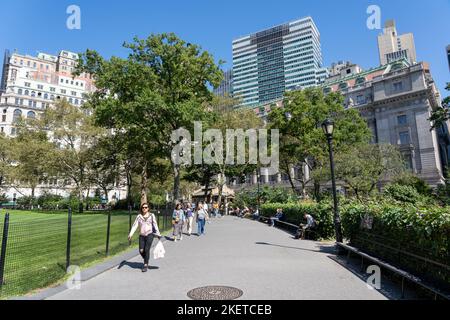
point(144, 207)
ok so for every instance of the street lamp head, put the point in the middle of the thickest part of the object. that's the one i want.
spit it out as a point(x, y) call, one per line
point(328, 127)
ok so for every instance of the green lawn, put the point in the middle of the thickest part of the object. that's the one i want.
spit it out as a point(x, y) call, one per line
point(36, 251)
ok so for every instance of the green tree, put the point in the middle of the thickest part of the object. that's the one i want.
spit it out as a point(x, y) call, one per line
point(303, 141)
point(161, 87)
point(440, 116)
point(5, 159)
point(73, 133)
point(362, 168)
point(31, 153)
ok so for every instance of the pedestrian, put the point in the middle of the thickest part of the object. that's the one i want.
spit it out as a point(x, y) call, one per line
point(178, 219)
point(310, 225)
point(148, 226)
point(216, 209)
point(189, 218)
point(278, 217)
point(201, 218)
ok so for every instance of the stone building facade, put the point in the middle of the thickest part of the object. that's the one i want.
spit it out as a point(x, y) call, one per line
point(396, 99)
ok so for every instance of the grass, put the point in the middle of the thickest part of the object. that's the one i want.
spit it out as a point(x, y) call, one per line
point(36, 250)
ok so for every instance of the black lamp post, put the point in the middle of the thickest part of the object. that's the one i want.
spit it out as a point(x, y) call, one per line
point(328, 128)
point(258, 176)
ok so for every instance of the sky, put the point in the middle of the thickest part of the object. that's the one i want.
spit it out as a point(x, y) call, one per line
point(33, 26)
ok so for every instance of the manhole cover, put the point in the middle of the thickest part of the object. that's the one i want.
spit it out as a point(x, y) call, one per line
point(215, 293)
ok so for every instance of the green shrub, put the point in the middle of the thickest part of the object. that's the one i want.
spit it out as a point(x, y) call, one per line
point(249, 197)
point(402, 193)
point(294, 213)
point(424, 231)
point(413, 181)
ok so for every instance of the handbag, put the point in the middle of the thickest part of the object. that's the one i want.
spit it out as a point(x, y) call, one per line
point(159, 251)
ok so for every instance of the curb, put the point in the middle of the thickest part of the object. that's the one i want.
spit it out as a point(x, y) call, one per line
point(87, 274)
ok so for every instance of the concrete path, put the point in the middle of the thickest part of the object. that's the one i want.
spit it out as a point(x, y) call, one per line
point(265, 263)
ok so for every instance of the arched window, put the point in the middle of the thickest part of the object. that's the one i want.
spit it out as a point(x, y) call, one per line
point(326, 90)
point(17, 115)
point(70, 100)
point(52, 97)
point(76, 102)
point(20, 91)
point(31, 115)
point(46, 96)
point(27, 93)
point(33, 94)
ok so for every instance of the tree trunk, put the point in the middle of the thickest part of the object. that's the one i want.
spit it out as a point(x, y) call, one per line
point(176, 184)
point(221, 185)
point(316, 194)
point(32, 197)
point(129, 185)
point(80, 199)
point(144, 184)
point(87, 199)
point(291, 181)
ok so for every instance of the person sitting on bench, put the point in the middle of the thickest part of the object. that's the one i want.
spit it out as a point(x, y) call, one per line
point(310, 224)
point(277, 217)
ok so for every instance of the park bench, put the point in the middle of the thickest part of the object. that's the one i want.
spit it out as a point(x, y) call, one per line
point(293, 228)
point(404, 275)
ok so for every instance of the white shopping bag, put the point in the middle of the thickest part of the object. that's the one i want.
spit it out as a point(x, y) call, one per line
point(159, 251)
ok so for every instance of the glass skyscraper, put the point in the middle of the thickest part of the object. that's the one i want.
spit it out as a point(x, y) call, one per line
point(268, 63)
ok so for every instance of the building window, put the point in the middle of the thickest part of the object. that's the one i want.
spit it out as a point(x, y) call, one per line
point(361, 99)
point(402, 120)
point(52, 89)
point(27, 84)
point(20, 91)
point(4, 118)
point(17, 115)
point(404, 137)
point(40, 87)
point(31, 115)
point(46, 96)
point(398, 86)
point(2, 129)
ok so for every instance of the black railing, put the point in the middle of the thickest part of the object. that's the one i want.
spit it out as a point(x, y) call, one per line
point(38, 249)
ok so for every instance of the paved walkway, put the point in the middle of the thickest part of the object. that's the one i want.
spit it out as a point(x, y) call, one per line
point(265, 263)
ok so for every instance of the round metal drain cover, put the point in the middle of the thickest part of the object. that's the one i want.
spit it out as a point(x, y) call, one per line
point(215, 293)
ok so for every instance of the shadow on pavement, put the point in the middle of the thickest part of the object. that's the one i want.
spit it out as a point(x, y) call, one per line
point(135, 265)
point(330, 249)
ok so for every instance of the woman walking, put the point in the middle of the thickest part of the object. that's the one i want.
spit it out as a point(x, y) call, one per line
point(190, 218)
point(202, 217)
point(178, 219)
point(148, 226)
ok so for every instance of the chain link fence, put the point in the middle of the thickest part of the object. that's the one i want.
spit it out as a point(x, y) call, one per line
point(37, 249)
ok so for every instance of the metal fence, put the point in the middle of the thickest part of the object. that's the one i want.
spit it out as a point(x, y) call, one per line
point(37, 250)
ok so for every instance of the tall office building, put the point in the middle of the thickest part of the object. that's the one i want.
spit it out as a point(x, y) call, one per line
point(268, 63)
point(448, 56)
point(226, 87)
point(393, 47)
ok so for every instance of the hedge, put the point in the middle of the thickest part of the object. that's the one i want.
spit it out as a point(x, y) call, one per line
point(294, 213)
point(396, 226)
point(400, 227)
